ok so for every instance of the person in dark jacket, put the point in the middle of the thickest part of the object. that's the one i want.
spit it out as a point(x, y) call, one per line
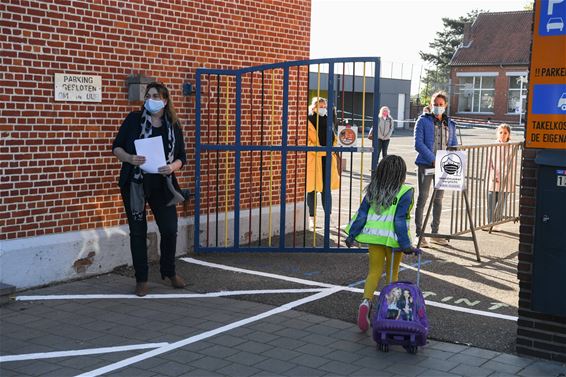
point(433, 132)
point(161, 191)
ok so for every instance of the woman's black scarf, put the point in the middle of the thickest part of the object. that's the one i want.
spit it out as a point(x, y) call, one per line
point(137, 195)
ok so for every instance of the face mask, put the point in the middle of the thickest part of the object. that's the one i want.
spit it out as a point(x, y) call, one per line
point(322, 112)
point(438, 110)
point(385, 114)
point(153, 105)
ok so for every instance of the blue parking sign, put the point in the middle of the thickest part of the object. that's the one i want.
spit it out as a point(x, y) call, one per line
point(552, 17)
point(549, 99)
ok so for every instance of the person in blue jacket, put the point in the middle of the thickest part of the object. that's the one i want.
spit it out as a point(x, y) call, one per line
point(433, 132)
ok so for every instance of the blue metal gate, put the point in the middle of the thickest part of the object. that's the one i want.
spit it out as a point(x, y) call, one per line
point(252, 147)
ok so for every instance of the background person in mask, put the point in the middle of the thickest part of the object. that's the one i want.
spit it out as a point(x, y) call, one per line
point(384, 131)
point(316, 161)
point(433, 132)
point(161, 191)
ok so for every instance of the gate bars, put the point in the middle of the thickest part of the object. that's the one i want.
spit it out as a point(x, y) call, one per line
point(264, 142)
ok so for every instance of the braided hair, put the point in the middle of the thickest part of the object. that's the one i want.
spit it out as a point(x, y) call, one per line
point(386, 182)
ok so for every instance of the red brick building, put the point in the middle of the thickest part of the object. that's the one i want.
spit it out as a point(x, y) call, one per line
point(62, 214)
point(489, 71)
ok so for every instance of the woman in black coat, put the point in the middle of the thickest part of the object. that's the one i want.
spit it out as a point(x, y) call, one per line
point(157, 118)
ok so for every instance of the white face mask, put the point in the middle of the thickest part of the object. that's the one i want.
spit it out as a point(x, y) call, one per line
point(153, 105)
point(322, 112)
point(438, 110)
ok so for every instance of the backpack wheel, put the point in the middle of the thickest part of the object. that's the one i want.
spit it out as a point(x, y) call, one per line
point(383, 347)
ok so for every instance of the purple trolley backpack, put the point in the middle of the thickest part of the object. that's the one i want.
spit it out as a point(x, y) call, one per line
point(400, 317)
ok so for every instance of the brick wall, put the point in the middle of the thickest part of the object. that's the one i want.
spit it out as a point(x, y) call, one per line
point(57, 172)
point(538, 334)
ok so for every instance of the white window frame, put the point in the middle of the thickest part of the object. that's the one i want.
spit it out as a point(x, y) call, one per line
point(476, 75)
point(522, 91)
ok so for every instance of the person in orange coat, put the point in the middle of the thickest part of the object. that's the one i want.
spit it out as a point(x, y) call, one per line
point(316, 161)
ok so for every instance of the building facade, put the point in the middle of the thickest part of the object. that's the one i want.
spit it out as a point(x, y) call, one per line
point(62, 215)
point(489, 71)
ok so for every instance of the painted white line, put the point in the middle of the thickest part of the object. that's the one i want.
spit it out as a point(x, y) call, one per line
point(258, 273)
point(88, 351)
point(344, 288)
point(470, 311)
point(167, 296)
point(208, 334)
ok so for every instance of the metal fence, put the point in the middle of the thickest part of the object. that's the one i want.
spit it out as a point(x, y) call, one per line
point(252, 148)
point(492, 184)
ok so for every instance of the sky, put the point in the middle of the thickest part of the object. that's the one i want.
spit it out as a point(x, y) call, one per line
point(394, 30)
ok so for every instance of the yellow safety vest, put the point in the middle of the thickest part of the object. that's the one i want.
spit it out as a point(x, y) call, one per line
point(379, 228)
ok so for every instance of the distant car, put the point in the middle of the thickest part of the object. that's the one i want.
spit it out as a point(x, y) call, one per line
point(562, 102)
point(555, 23)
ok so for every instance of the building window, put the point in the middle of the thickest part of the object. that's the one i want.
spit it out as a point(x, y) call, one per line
point(517, 98)
point(476, 94)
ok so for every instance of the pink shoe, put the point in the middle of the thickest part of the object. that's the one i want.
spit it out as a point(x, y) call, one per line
point(363, 315)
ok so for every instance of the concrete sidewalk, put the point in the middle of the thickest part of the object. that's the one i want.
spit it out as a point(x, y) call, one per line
point(212, 336)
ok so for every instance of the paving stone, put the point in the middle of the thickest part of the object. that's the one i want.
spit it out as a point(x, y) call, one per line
point(210, 363)
point(319, 339)
point(438, 365)
point(436, 373)
point(181, 355)
point(479, 352)
point(266, 327)
point(365, 372)
point(310, 361)
point(448, 347)
point(374, 363)
point(281, 354)
point(247, 358)
point(238, 370)
point(227, 340)
point(260, 336)
point(275, 366)
point(406, 369)
point(467, 360)
point(501, 367)
point(470, 371)
point(254, 347)
point(346, 357)
point(543, 368)
point(514, 360)
point(36, 368)
point(138, 372)
point(341, 325)
point(314, 349)
point(323, 330)
point(219, 351)
point(340, 368)
point(293, 333)
point(301, 371)
point(435, 353)
point(287, 343)
point(202, 373)
point(297, 323)
point(347, 346)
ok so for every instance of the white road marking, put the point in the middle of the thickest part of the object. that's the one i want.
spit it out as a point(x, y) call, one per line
point(208, 334)
point(166, 296)
point(87, 351)
point(344, 288)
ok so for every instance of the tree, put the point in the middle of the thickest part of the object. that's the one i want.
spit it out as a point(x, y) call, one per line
point(443, 48)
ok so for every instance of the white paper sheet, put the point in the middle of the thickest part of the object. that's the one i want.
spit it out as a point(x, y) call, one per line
point(152, 149)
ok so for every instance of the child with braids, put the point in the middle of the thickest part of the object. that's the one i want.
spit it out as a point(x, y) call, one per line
point(382, 222)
